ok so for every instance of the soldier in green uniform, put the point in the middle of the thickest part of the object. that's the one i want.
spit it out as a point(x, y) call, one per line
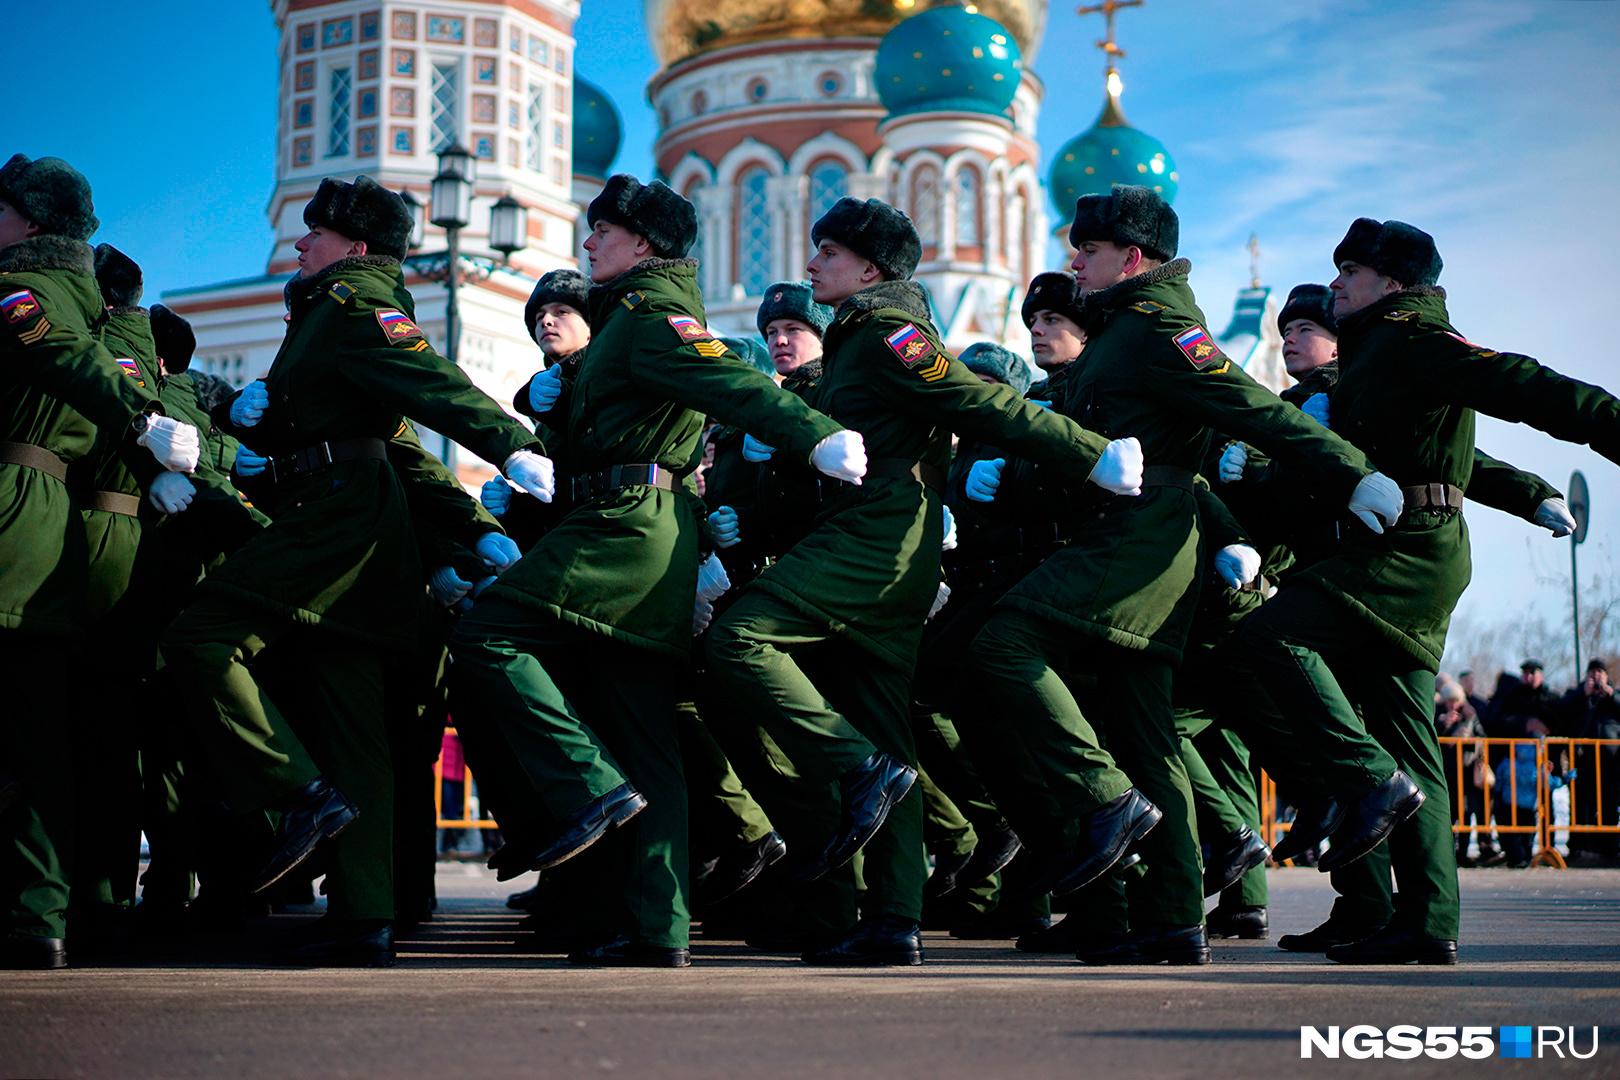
point(1367, 624)
point(58, 384)
point(1116, 602)
point(822, 646)
point(566, 671)
point(333, 583)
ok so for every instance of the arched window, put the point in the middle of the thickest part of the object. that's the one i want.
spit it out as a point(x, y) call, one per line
point(1016, 264)
point(753, 231)
point(829, 182)
point(965, 191)
point(925, 204)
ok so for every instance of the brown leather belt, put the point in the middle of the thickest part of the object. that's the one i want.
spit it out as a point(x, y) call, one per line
point(111, 502)
point(592, 485)
point(1433, 497)
point(1167, 476)
point(33, 457)
point(313, 459)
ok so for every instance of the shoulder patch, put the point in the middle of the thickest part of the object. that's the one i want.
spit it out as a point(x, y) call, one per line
point(1196, 346)
point(396, 326)
point(710, 348)
point(19, 307)
point(404, 425)
point(935, 371)
point(1148, 307)
point(1400, 316)
point(131, 368)
point(689, 328)
point(631, 299)
point(1482, 350)
point(909, 345)
point(341, 292)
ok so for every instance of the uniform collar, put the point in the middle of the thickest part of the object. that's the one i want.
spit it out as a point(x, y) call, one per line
point(1418, 297)
point(302, 289)
point(906, 296)
point(602, 297)
point(47, 252)
point(1118, 295)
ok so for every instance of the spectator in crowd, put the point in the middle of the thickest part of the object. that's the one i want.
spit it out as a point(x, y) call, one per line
point(1465, 768)
point(1592, 711)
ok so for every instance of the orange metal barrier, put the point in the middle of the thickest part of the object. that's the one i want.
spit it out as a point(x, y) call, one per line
point(465, 821)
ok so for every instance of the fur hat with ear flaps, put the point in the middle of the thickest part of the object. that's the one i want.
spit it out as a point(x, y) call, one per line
point(1052, 291)
point(1313, 302)
point(988, 358)
point(52, 193)
point(118, 276)
point(1130, 215)
point(557, 287)
point(363, 210)
point(792, 300)
point(1393, 248)
point(750, 351)
point(174, 339)
point(874, 230)
point(653, 210)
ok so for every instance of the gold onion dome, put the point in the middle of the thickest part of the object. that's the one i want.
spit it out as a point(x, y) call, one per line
point(682, 28)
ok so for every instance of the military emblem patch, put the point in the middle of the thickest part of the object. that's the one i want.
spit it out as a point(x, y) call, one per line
point(19, 306)
point(1400, 316)
point(631, 299)
point(909, 345)
point(341, 292)
point(689, 328)
point(710, 348)
point(1195, 344)
point(131, 368)
point(395, 325)
point(1482, 350)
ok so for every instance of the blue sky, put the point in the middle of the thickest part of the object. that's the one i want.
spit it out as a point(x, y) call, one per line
point(1495, 126)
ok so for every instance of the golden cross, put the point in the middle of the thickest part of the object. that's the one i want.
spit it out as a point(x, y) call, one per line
point(1254, 261)
point(1107, 9)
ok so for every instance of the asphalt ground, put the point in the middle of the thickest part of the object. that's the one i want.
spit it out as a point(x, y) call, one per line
point(1539, 948)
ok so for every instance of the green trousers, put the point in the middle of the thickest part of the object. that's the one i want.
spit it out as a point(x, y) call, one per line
point(37, 743)
point(1311, 666)
point(724, 813)
point(329, 722)
point(827, 723)
point(1020, 705)
point(1227, 760)
point(554, 716)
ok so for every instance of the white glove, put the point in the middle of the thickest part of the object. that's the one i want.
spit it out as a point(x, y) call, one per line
point(1554, 516)
point(1377, 496)
point(498, 551)
point(1120, 468)
point(1316, 407)
point(756, 451)
point(1237, 564)
point(940, 597)
point(984, 478)
point(545, 388)
point(949, 543)
point(171, 493)
point(723, 524)
point(446, 586)
point(702, 616)
point(712, 579)
point(248, 463)
point(496, 495)
point(175, 444)
point(532, 473)
point(841, 455)
point(1233, 458)
point(250, 404)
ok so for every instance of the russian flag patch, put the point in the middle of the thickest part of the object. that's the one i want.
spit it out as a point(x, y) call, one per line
point(689, 328)
point(396, 326)
point(19, 306)
point(1195, 344)
point(909, 345)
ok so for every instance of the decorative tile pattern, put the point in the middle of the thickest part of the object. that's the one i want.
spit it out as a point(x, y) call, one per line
point(560, 62)
point(402, 101)
point(304, 75)
point(539, 51)
point(514, 40)
point(365, 141)
point(483, 108)
point(405, 62)
point(370, 25)
point(484, 147)
point(303, 150)
point(486, 33)
point(514, 115)
point(366, 103)
point(513, 151)
point(304, 112)
point(404, 25)
point(335, 32)
point(450, 29)
point(306, 37)
point(514, 78)
point(484, 70)
point(401, 140)
point(368, 63)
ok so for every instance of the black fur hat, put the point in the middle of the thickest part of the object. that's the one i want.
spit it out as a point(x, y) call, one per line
point(750, 351)
point(1129, 215)
point(1393, 248)
point(653, 210)
point(363, 210)
point(792, 300)
point(175, 340)
point(52, 193)
point(118, 276)
point(1313, 302)
point(1052, 291)
point(212, 390)
point(557, 287)
point(988, 358)
point(876, 231)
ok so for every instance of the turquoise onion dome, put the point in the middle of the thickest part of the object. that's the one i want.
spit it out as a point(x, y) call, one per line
point(948, 60)
point(597, 132)
point(1109, 152)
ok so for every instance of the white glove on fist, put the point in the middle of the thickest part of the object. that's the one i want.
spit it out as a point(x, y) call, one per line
point(756, 451)
point(713, 580)
point(841, 455)
point(1233, 458)
point(498, 551)
point(702, 616)
point(1554, 516)
point(176, 445)
point(532, 473)
point(941, 595)
point(250, 404)
point(1377, 496)
point(1237, 564)
point(545, 388)
point(1120, 468)
point(171, 493)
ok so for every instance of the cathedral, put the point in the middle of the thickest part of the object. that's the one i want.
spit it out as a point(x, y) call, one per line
point(768, 112)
